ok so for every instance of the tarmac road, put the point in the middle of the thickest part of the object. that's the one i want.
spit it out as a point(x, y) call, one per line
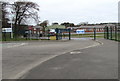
point(100, 62)
point(20, 57)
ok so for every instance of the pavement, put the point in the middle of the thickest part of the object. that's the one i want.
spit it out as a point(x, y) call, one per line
point(20, 58)
point(99, 62)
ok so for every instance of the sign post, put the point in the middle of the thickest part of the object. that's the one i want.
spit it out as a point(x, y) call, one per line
point(7, 30)
point(3, 30)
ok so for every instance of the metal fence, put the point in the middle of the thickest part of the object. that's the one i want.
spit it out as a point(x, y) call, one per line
point(112, 33)
point(59, 34)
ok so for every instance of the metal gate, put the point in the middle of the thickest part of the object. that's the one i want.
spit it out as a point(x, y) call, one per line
point(63, 34)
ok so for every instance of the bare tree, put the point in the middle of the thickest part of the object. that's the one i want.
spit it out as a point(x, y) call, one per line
point(24, 11)
point(4, 14)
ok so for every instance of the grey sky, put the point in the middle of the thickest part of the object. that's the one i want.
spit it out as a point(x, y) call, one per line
point(76, 11)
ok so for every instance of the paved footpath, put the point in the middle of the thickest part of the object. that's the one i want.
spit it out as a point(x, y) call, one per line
point(100, 62)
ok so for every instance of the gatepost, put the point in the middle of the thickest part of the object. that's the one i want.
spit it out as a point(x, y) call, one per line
point(107, 30)
point(116, 33)
point(69, 34)
point(94, 33)
point(56, 33)
point(111, 33)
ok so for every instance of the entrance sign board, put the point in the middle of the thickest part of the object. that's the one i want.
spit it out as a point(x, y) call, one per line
point(6, 29)
point(80, 31)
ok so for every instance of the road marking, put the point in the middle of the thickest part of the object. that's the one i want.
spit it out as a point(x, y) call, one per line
point(99, 43)
point(75, 52)
point(16, 45)
point(78, 52)
point(56, 68)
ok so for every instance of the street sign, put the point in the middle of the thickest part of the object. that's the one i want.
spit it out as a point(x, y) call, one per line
point(6, 29)
point(80, 31)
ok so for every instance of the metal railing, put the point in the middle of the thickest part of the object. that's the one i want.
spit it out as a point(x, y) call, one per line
point(112, 33)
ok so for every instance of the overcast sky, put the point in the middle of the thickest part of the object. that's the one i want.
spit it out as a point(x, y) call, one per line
point(76, 11)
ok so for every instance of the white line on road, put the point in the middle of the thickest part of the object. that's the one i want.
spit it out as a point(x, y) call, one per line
point(77, 52)
point(99, 43)
point(16, 45)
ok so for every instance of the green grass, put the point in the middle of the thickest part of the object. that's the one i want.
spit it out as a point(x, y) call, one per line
point(86, 35)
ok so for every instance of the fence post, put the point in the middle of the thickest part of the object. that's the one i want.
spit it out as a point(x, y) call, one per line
point(56, 33)
point(60, 31)
point(69, 34)
point(118, 33)
point(5, 35)
point(115, 32)
point(94, 33)
point(48, 34)
point(107, 30)
point(111, 32)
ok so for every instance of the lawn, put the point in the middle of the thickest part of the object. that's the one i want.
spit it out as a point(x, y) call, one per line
point(98, 35)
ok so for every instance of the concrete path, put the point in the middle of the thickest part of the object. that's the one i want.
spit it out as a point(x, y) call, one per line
point(18, 58)
point(100, 62)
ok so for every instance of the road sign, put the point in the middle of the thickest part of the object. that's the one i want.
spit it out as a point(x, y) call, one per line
point(6, 29)
point(80, 31)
